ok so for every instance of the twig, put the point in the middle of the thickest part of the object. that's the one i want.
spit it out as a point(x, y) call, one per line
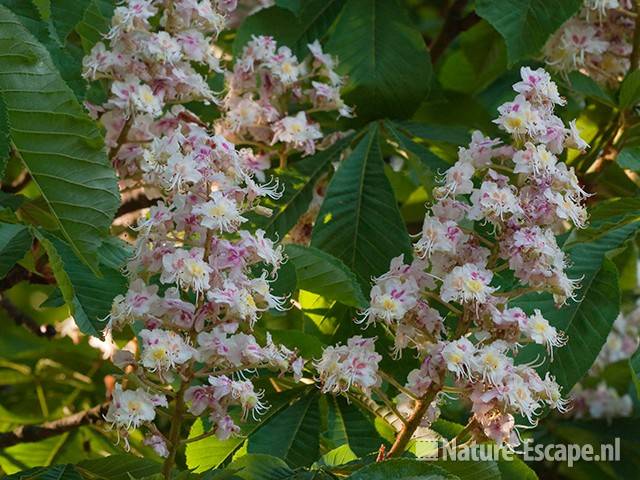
point(20, 318)
point(18, 184)
point(414, 420)
point(35, 433)
point(135, 203)
point(389, 404)
point(19, 274)
point(454, 24)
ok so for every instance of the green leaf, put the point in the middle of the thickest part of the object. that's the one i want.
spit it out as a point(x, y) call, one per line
point(119, 467)
point(629, 157)
point(210, 452)
point(300, 179)
point(359, 221)
point(402, 469)
point(338, 456)
point(384, 57)
point(5, 144)
point(15, 241)
point(59, 472)
point(324, 274)
point(471, 469)
point(479, 61)
point(515, 469)
point(630, 90)
point(32, 454)
point(59, 144)
point(429, 159)
point(588, 87)
point(293, 5)
point(309, 346)
point(526, 24)
point(261, 467)
point(453, 134)
point(66, 14)
point(587, 321)
point(347, 425)
point(297, 430)
point(89, 297)
point(66, 58)
point(293, 28)
point(95, 22)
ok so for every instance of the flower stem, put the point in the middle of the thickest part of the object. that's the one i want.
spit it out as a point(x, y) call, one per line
point(413, 422)
point(174, 432)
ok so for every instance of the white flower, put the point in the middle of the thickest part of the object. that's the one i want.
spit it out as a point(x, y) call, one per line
point(459, 356)
point(298, 131)
point(163, 350)
point(145, 101)
point(391, 299)
point(467, 283)
point(220, 213)
point(187, 268)
point(494, 203)
point(344, 366)
point(130, 408)
point(540, 331)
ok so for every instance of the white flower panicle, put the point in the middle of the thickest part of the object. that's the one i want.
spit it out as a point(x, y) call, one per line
point(198, 280)
point(497, 209)
point(604, 401)
point(271, 96)
point(597, 41)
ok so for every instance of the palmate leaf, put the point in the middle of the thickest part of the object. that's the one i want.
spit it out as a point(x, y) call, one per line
point(66, 14)
point(95, 22)
point(66, 58)
point(634, 365)
point(428, 159)
point(384, 57)
point(58, 143)
point(119, 467)
point(15, 241)
point(262, 467)
point(58, 472)
point(294, 27)
point(588, 320)
point(359, 221)
point(210, 452)
point(349, 426)
point(297, 430)
point(300, 180)
point(5, 144)
point(402, 469)
point(321, 273)
point(526, 24)
point(89, 297)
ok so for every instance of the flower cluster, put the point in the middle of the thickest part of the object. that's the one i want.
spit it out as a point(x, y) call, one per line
point(604, 401)
point(597, 41)
point(354, 364)
point(271, 96)
point(198, 281)
point(600, 402)
point(496, 210)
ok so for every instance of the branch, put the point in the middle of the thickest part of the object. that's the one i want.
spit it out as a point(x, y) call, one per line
point(35, 433)
point(413, 422)
point(19, 274)
point(454, 24)
point(135, 203)
point(26, 321)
